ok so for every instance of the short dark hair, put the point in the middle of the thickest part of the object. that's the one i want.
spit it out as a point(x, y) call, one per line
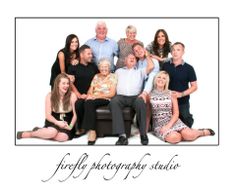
point(83, 47)
point(178, 43)
point(136, 44)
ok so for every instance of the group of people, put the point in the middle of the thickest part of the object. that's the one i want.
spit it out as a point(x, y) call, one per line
point(146, 79)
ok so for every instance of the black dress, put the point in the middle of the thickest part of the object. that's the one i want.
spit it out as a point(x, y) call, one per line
point(55, 70)
point(67, 117)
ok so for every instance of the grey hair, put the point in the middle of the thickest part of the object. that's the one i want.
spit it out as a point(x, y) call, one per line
point(104, 60)
point(131, 28)
point(100, 23)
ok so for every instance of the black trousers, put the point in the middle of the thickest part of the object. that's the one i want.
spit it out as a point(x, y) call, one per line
point(116, 105)
point(185, 115)
point(90, 106)
point(79, 108)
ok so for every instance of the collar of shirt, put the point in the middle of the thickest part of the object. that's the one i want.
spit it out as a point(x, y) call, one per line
point(135, 67)
point(171, 61)
point(141, 63)
point(95, 39)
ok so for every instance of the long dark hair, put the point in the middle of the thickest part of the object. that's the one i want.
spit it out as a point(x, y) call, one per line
point(66, 49)
point(156, 46)
point(55, 95)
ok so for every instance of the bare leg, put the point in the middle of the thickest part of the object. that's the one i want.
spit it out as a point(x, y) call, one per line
point(173, 138)
point(192, 134)
point(61, 137)
point(45, 133)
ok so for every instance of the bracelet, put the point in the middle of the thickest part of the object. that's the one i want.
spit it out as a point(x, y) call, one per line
point(182, 94)
point(71, 126)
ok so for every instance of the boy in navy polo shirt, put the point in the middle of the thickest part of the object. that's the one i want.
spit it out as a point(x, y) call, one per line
point(181, 75)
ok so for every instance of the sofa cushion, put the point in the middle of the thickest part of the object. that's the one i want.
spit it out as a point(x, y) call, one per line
point(105, 114)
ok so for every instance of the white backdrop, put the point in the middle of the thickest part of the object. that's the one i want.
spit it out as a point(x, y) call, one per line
point(203, 168)
point(39, 40)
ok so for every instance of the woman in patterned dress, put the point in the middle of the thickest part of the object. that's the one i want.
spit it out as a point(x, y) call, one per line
point(125, 45)
point(102, 89)
point(165, 114)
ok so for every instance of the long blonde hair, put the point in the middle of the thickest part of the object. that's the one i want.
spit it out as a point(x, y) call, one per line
point(55, 95)
point(167, 80)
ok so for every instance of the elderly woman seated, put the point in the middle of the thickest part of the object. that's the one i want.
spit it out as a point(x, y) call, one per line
point(102, 89)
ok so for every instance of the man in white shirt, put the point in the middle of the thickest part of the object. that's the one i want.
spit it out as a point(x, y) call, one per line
point(129, 86)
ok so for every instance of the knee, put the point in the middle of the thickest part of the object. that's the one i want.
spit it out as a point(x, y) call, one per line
point(51, 132)
point(88, 103)
point(114, 102)
point(188, 135)
point(61, 137)
point(173, 138)
point(140, 102)
point(78, 103)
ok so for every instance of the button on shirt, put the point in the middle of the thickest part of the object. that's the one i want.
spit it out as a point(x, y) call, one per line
point(130, 81)
point(148, 84)
point(106, 49)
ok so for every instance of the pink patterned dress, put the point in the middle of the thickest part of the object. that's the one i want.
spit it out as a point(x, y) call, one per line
point(162, 112)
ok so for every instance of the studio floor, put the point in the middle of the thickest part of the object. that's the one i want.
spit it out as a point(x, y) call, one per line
point(134, 140)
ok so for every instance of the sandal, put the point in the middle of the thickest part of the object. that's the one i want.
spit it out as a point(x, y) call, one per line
point(19, 134)
point(35, 128)
point(210, 130)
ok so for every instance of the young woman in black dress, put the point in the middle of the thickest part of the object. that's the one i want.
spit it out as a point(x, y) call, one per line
point(59, 112)
point(66, 56)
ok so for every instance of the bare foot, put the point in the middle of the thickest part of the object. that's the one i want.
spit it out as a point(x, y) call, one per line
point(26, 134)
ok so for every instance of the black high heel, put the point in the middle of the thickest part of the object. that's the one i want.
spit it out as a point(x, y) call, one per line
point(91, 142)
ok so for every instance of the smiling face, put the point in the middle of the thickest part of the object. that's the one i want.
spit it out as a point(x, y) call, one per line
point(63, 85)
point(74, 44)
point(101, 31)
point(139, 51)
point(86, 56)
point(104, 68)
point(131, 35)
point(131, 32)
point(161, 39)
point(130, 61)
point(162, 81)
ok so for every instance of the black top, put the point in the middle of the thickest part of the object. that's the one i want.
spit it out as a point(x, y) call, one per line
point(180, 77)
point(83, 75)
point(55, 70)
